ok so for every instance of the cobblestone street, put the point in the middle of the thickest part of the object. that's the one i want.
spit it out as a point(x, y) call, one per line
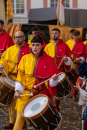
point(70, 111)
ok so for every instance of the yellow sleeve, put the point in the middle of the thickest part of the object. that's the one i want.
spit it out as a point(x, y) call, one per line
point(67, 42)
point(85, 42)
point(4, 62)
point(21, 72)
point(46, 50)
point(30, 42)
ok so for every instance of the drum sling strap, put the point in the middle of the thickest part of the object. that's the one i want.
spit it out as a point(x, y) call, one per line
point(57, 65)
point(36, 91)
point(10, 73)
point(41, 88)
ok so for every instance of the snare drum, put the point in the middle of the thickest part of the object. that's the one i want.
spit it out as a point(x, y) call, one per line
point(6, 91)
point(41, 114)
point(73, 74)
point(64, 87)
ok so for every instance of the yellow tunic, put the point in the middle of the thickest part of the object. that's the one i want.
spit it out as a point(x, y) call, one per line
point(9, 59)
point(30, 42)
point(70, 44)
point(25, 77)
point(85, 42)
point(50, 49)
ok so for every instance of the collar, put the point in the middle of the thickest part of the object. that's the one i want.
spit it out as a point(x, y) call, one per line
point(4, 31)
point(60, 41)
point(25, 44)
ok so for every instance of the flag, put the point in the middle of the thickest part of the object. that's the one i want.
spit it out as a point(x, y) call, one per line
point(9, 12)
point(60, 12)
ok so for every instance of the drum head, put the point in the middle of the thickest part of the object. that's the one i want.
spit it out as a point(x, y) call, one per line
point(10, 82)
point(35, 106)
point(61, 77)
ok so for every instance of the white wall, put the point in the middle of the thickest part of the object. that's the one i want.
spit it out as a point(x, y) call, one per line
point(36, 4)
point(48, 3)
point(82, 4)
point(71, 3)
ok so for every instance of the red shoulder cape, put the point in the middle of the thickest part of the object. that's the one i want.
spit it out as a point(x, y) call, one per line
point(5, 41)
point(44, 69)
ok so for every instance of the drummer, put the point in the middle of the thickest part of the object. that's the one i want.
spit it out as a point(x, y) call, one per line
point(78, 53)
point(35, 32)
point(5, 39)
point(60, 52)
point(78, 49)
point(33, 69)
point(9, 62)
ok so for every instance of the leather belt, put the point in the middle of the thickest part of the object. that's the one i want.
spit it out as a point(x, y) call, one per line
point(15, 74)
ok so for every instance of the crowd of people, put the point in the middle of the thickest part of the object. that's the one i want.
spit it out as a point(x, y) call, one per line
point(32, 63)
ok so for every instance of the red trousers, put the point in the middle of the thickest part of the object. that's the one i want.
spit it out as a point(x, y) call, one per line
point(74, 92)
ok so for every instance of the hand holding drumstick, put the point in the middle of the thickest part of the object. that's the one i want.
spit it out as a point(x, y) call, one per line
point(76, 61)
point(64, 59)
point(55, 77)
point(18, 93)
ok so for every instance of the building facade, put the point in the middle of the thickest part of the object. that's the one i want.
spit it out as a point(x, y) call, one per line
point(21, 7)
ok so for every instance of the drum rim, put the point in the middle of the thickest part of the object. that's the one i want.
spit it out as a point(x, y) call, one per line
point(71, 67)
point(37, 115)
point(60, 125)
point(8, 85)
point(68, 94)
point(63, 78)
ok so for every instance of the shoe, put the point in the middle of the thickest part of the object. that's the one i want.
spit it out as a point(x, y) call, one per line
point(9, 126)
point(74, 98)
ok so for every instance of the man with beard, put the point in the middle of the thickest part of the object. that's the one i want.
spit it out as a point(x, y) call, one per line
point(5, 39)
point(60, 52)
point(78, 51)
point(9, 62)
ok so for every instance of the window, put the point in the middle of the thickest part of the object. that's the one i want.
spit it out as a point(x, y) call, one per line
point(54, 3)
point(66, 3)
point(19, 7)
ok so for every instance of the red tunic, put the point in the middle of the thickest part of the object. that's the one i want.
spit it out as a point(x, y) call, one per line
point(61, 50)
point(79, 50)
point(5, 41)
point(86, 49)
point(44, 69)
point(25, 49)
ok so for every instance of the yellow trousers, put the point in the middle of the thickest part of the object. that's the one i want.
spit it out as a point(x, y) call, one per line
point(19, 122)
point(12, 108)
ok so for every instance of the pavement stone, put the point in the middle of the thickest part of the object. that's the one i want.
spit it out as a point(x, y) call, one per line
point(69, 109)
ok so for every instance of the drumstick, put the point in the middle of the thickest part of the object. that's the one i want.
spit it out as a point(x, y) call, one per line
point(31, 94)
point(46, 80)
point(6, 75)
point(61, 63)
point(74, 60)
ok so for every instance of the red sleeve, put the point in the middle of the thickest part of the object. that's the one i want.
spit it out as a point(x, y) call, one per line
point(84, 54)
point(68, 51)
point(9, 42)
